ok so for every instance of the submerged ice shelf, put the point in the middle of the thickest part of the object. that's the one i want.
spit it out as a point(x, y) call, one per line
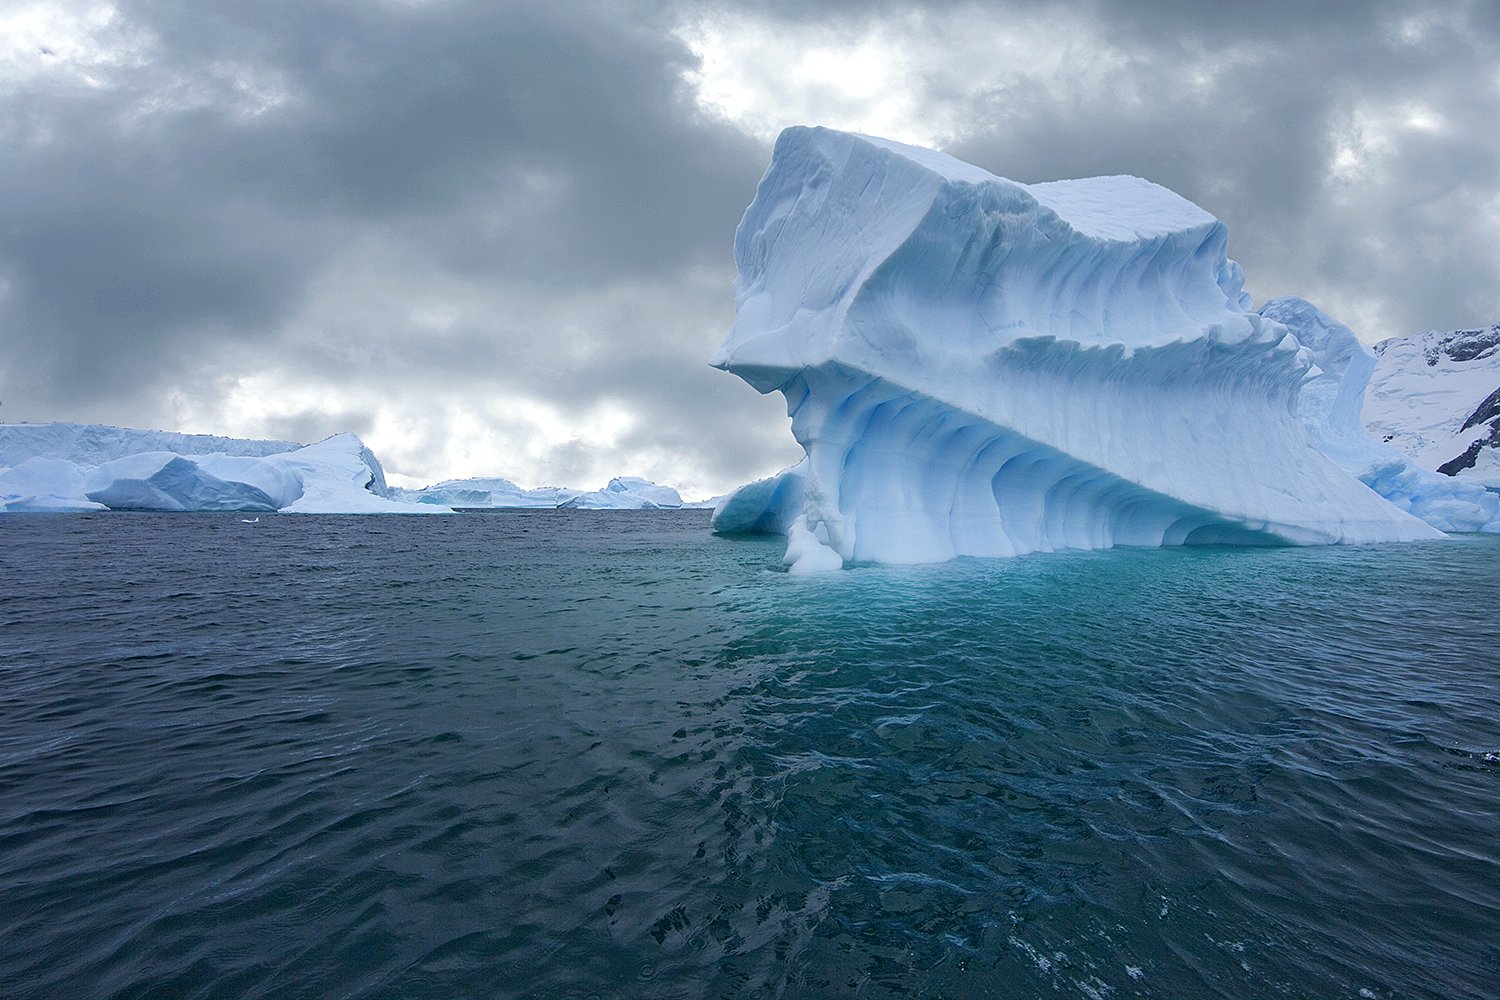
point(975, 366)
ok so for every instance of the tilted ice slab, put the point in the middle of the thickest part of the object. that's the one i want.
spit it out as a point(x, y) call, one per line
point(82, 467)
point(975, 366)
point(1330, 405)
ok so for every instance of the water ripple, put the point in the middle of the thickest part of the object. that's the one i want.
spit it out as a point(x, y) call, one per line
point(548, 754)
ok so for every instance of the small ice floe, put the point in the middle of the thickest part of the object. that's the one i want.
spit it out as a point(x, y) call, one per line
point(250, 520)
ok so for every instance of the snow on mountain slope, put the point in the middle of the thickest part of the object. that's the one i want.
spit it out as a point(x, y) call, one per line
point(1436, 397)
point(79, 467)
point(975, 366)
point(1330, 404)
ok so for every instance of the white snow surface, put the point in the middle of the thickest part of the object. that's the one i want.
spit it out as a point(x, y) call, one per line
point(975, 366)
point(1330, 405)
point(1436, 398)
point(83, 467)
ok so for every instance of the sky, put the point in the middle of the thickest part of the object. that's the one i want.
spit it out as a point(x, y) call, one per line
point(493, 237)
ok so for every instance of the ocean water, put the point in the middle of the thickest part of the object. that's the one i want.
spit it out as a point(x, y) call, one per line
point(571, 754)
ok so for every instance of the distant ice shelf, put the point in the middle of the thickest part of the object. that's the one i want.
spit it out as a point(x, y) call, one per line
point(620, 493)
point(63, 467)
point(975, 366)
point(86, 467)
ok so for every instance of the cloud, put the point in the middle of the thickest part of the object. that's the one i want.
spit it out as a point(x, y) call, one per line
point(1347, 145)
point(495, 238)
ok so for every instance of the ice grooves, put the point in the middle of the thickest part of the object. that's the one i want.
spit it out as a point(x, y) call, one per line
point(896, 476)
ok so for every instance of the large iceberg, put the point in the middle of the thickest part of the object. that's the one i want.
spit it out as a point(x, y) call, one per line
point(975, 366)
point(1331, 403)
point(83, 467)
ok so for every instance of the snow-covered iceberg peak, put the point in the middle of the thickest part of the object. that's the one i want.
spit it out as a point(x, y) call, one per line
point(976, 366)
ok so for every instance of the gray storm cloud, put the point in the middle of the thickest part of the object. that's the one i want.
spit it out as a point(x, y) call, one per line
point(418, 220)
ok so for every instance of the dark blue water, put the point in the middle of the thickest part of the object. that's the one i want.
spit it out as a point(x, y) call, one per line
point(552, 754)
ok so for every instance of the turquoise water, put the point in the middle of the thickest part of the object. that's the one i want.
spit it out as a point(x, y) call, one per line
point(543, 754)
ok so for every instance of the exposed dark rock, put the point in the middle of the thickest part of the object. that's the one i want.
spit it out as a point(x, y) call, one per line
point(1461, 345)
point(1470, 456)
point(1487, 410)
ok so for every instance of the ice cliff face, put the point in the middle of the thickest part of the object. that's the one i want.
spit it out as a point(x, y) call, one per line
point(94, 444)
point(1436, 398)
point(980, 367)
point(81, 467)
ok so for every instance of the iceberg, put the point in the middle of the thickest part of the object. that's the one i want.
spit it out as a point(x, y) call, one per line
point(626, 493)
point(975, 366)
point(160, 480)
point(84, 467)
point(44, 485)
point(621, 493)
point(764, 507)
point(1436, 398)
point(1331, 405)
point(486, 493)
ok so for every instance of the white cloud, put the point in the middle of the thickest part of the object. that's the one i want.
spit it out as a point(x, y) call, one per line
point(80, 41)
point(911, 76)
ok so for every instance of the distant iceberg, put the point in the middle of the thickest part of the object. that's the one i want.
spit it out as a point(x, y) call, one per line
point(485, 493)
point(975, 366)
point(627, 493)
point(620, 493)
point(86, 467)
